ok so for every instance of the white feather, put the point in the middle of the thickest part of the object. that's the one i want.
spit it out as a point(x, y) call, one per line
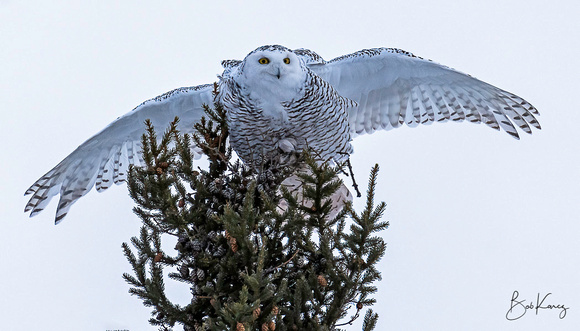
point(387, 78)
point(292, 101)
point(105, 157)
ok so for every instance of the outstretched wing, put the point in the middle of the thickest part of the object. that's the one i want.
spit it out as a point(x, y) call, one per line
point(393, 87)
point(104, 158)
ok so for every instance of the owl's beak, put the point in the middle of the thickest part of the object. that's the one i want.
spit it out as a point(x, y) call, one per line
point(278, 73)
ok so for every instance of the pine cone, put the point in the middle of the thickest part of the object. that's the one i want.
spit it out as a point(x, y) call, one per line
point(272, 326)
point(240, 327)
point(322, 281)
point(219, 252)
point(359, 306)
point(233, 244)
point(184, 271)
point(275, 310)
point(200, 274)
point(196, 245)
point(212, 235)
point(256, 312)
point(265, 327)
point(158, 257)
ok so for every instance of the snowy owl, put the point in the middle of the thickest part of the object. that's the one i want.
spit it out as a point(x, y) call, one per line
point(281, 100)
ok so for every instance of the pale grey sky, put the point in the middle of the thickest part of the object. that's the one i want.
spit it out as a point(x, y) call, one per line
point(474, 213)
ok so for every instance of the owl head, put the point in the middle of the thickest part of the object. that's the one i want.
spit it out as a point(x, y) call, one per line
point(273, 64)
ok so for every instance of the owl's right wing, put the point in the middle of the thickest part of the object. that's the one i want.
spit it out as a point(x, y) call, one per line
point(104, 158)
point(393, 87)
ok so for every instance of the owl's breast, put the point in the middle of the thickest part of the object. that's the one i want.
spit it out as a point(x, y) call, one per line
point(258, 122)
point(263, 125)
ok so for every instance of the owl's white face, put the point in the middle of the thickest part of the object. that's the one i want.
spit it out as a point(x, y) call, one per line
point(277, 71)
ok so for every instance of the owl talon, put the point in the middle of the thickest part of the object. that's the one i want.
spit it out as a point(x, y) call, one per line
point(287, 145)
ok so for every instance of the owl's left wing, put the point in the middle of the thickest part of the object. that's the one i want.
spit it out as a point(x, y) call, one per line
point(393, 87)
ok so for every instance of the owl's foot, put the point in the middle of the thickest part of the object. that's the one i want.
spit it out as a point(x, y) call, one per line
point(287, 145)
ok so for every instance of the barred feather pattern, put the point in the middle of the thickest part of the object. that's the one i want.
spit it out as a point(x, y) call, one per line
point(393, 87)
point(317, 120)
point(280, 101)
point(103, 160)
point(76, 175)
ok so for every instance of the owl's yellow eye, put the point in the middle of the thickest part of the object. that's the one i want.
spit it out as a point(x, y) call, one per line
point(263, 60)
point(287, 60)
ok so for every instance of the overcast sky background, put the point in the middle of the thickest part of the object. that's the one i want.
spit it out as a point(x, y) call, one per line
point(474, 213)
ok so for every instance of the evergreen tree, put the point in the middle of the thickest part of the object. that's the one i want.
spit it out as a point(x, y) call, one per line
point(255, 255)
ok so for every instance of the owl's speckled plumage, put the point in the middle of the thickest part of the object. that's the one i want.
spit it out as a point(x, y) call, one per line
point(296, 107)
point(290, 101)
